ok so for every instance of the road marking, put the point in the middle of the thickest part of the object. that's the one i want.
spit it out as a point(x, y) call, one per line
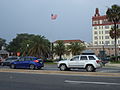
point(86, 82)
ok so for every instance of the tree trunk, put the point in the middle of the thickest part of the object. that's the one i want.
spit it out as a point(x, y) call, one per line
point(115, 27)
point(60, 57)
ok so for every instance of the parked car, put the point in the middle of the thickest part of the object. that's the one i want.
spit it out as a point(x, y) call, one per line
point(28, 62)
point(1, 60)
point(88, 62)
point(9, 60)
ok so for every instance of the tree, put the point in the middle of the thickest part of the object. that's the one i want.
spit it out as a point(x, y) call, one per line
point(19, 43)
point(2, 43)
point(59, 49)
point(113, 15)
point(30, 44)
point(112, 33)
point(40, 47)
point(76, 48)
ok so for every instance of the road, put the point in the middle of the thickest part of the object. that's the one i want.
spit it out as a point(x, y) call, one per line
point(25, 81)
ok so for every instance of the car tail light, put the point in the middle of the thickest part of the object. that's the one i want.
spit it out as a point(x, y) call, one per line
point(36, 61)
point(98, 61)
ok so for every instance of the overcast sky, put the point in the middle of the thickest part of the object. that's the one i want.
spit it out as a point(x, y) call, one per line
point(33, 17)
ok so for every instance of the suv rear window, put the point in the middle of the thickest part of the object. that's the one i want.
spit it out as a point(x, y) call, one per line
point(91, 58)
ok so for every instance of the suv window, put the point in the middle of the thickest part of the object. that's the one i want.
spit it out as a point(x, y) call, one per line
point(83, 58)
point(75, 58)
point(91, 58)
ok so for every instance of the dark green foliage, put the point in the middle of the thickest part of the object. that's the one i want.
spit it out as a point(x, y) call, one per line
point(76, 48)
point(59, 49)
point(2, 43)
point(113, 15)
point(30, 44)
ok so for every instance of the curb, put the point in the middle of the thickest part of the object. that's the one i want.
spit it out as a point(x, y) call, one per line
point(61, 72)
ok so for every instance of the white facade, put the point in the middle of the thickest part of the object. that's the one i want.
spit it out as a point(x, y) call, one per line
point(100, 30)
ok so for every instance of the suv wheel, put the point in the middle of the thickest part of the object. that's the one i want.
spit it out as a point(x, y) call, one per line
point(12, 66)
point(32, 67)
point(63, 67)
point(90, 68)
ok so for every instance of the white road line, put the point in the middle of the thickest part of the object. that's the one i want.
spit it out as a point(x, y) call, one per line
point(86, 82)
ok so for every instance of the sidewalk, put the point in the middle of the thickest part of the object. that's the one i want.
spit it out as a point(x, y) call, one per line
point(112, 65)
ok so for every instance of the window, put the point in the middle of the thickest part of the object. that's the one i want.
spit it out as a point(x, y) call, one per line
point(102, 32)
point(99, 32)
point(83, 58)
point(99, 42)
point(106, 26)
point(95, 27)
point(95, 42)
point(118, 41)
point(106, 32)
point(113, 42)
point(75, 58)
point(27, 59)
point(106, 37)
point(96, 37)
point(99, 37)
point(95, 32)
point(99, 27)
point(21, 59)
point(107, 42)
point(91, 58)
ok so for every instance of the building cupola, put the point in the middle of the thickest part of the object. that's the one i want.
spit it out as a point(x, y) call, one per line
point(97, 12)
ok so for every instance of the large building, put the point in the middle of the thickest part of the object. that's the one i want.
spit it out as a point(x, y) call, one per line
point(100, 30)
point(101, 40)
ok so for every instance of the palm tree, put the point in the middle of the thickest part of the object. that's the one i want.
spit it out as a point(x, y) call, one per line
point(59, 49)
point(112, 33)
point(40, 47)
point(76, 48)
point(113, 15)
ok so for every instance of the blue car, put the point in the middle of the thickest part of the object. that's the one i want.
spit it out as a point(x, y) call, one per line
point(28, 62)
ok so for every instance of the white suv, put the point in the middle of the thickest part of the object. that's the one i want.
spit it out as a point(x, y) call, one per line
point(88, 62)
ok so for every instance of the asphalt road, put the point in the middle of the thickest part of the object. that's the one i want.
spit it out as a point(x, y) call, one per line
point(21, 81)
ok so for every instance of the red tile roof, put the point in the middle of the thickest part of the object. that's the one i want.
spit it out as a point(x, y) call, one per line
point(69, 41)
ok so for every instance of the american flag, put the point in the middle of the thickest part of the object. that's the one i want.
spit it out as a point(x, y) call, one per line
point(53, 17)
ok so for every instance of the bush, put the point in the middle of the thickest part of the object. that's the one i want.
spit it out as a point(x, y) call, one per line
point(112, 59)
point(48, 60)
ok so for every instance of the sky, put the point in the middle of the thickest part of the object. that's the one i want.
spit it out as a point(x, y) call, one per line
point(74, 19)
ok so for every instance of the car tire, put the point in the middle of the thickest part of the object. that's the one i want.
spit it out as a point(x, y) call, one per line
point(2, 64)
point(32, 67)
point(63, 67)
point(90, 68)
point(12, 66)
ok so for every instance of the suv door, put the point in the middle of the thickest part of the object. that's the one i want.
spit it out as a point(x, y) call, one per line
point(83, 60)
point(74, 62)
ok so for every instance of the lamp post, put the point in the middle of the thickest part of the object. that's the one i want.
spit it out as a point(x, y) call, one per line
point(27, 49)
